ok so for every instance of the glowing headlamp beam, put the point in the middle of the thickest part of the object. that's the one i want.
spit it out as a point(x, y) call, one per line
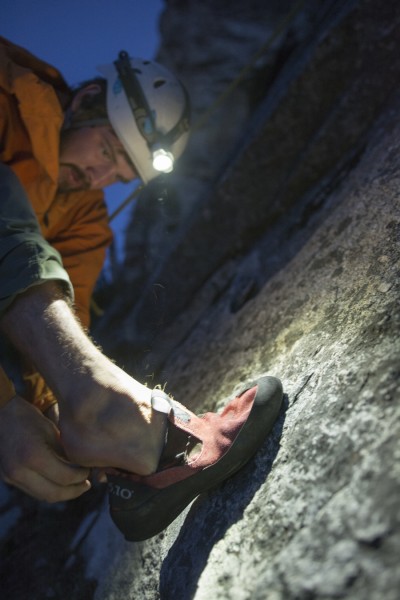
point(163, 161)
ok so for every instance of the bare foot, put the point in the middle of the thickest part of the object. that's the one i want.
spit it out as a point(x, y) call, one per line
point(110, 422)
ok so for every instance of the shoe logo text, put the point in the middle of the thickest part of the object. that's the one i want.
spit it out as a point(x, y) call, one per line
point(119, 491)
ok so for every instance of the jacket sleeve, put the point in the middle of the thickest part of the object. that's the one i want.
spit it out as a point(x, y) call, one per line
point(82, 239)
point(26, 259)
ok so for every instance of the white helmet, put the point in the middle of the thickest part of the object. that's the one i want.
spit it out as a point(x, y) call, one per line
point(148, 109)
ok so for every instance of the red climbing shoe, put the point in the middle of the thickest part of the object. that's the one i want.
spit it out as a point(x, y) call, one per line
point(200, 452)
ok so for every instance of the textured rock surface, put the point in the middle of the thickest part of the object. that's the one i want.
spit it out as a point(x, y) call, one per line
point(307, 134)
point(232, 47)
point(316, 515)
point(310, 294)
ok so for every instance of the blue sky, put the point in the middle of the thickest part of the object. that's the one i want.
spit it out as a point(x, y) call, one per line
point(77, 35)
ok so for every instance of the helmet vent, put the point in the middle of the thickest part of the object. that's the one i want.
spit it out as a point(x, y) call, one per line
point(159, 83)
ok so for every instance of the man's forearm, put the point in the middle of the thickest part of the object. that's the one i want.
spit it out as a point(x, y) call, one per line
point(42, 326)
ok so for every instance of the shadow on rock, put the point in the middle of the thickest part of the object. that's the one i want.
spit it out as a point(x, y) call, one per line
point(211, 515)
point(40, 548)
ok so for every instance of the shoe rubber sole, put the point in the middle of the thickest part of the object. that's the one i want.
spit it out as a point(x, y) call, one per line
point(141, 512)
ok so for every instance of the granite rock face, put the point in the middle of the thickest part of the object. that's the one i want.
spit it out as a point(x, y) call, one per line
point(228, 56)
point(316, 514)
point(289, 266)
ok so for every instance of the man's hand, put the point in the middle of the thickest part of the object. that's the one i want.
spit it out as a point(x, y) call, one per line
point(31, 456)
point(106, 418)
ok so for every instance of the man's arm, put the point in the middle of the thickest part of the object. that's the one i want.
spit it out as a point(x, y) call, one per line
point(105, 416)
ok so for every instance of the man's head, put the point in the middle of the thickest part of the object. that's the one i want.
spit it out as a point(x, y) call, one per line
point(116, 126)
point(91, 155)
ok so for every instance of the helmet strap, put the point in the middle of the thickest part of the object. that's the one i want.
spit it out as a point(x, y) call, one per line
point(141, 110)
point(136, 98)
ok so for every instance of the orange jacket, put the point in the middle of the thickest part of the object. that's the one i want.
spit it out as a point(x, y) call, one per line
point(33, 96)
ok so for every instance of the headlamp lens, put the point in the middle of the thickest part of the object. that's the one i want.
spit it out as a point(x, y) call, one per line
point(163, 161)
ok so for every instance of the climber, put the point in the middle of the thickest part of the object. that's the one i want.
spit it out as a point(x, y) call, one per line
point(77, 409)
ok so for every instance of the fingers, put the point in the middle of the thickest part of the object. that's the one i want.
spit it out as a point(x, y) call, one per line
point(43, 489)
point(31, 456)
point(56, 469)
point(54, 466)
point(99, 475)
point(47, 477)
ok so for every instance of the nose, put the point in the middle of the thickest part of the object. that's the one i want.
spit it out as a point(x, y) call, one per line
point(101, 175)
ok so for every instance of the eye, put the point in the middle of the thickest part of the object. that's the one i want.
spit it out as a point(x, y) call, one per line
point(106, 152)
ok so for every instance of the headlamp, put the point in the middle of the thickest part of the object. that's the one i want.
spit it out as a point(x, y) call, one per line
point(163, 160)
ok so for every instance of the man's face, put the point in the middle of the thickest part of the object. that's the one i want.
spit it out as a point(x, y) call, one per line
point(92, 158)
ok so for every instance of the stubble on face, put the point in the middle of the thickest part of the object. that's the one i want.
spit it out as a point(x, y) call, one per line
point(71, 179)
point(92, 158)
